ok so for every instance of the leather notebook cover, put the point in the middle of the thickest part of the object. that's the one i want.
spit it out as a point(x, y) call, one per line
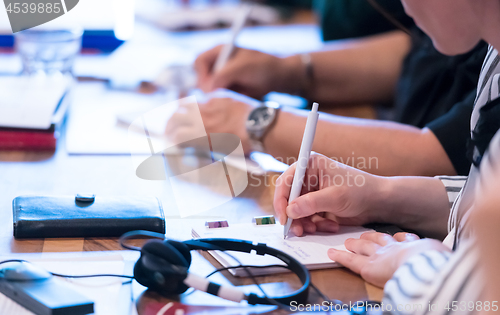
point(65, 216)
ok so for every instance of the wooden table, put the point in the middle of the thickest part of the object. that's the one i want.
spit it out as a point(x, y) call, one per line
point(57, 173)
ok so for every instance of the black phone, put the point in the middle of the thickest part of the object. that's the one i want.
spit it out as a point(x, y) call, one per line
point(50, 296)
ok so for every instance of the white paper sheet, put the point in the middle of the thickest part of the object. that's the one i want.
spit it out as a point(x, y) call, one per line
point(94, 126)
point(30, 102)
point(310, 250)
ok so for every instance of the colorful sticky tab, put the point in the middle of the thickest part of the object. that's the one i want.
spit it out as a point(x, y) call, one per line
point(264, 220)
point(216, 224)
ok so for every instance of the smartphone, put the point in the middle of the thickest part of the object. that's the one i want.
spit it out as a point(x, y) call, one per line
point(51, 296)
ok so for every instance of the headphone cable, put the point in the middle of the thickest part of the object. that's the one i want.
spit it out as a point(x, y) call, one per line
point(321, 294)
point(240, 265)
point(75, 276)
point(125, 236)
point(252, 276)
point(245, 267)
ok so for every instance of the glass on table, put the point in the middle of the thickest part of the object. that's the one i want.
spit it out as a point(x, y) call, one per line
point(48, 51)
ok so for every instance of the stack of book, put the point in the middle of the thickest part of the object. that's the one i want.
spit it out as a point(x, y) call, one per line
point(31, 111)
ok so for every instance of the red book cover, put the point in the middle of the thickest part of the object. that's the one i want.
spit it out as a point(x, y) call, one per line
point(27, 139)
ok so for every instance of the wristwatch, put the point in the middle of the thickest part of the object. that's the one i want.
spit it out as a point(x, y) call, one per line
point(260, 121)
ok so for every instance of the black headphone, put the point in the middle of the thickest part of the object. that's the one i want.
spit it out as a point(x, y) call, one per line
point(163, 267)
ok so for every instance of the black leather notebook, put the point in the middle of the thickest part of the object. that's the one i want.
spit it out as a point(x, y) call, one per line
point(85, 216)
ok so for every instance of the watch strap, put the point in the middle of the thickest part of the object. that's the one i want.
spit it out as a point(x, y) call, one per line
point(257, 137)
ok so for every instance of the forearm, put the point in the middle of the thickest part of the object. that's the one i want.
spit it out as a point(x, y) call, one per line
point(378, 147)
point(415, 203)
point(357, 71)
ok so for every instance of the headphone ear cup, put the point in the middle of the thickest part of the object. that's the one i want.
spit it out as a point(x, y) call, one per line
point(142, 274)
point(161, 268)
point(183, 249)
point(166, 281)
point(168, 252)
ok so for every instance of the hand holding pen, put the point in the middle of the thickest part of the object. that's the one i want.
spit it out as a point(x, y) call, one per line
point(325, 193)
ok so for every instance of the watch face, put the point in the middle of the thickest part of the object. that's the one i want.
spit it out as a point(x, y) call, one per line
point(261, 117)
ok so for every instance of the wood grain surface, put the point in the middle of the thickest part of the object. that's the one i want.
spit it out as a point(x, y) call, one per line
point(58, 173)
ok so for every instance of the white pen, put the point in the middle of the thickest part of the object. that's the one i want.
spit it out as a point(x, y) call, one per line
point(305, 152)
point(227, 49)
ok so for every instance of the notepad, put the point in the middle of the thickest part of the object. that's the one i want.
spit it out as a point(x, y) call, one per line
point(310, 250)
point(30, 101)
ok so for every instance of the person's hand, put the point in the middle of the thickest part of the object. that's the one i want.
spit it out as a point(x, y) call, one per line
point(332, 193)
point(222, 112)
point(376, 256)
point(249, 72)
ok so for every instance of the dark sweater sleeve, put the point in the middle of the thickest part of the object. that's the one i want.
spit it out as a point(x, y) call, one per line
point(453, 131)
point(341, 19)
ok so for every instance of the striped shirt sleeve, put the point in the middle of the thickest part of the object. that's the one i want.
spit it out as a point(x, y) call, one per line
point(453, 185)
point(429, 283)
point(411, 282)
point(444, 283)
